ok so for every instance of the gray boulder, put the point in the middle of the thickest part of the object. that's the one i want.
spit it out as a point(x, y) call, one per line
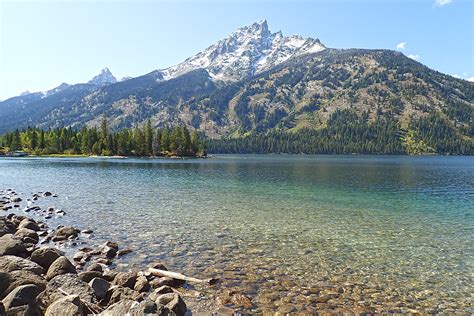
point(31, 309)
point(100, 287)
point(22, 295)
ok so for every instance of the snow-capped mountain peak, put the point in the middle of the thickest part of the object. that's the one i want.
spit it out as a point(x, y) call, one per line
point(246, 52)
point(104, 78)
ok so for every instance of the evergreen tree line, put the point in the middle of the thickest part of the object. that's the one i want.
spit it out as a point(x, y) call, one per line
point(144, 141)
point(348, 133)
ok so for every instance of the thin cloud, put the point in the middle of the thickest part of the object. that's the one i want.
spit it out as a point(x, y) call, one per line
point(401, 46)
point(471, 79)
point(442, 3)
point(456, 76)
point(414, 56)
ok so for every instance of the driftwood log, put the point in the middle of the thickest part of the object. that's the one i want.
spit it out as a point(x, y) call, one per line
point(179, 276)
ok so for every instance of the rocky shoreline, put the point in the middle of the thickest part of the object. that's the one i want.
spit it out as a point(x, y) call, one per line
point(38, 278)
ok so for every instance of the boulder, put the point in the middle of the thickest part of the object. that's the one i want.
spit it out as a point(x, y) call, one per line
point(21, 295)
point(81, 256)
point(173, 302)
point(62, 265)
point(142, 284)
point(11, 246)
point(126, 279)
point(117, 293)
point(69, 283)
point(111, 244)
point(146, 307)
point(10, 281)
point(46, 256)
point(109, 252)
point(100, 287)
point(6, 227)
point(87, 276)
point(123, 252)
point(66, 306)
point(109, 275)
point(162, 290)
point(157, 265)
point(47, 193)
point(64, 233)
point(12, 263)
point(24, 233)
point(120, 308)
point(29, 223)
point(95, 267)
point(31, 309)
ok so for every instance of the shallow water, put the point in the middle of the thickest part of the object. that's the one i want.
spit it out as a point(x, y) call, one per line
point(380, 233)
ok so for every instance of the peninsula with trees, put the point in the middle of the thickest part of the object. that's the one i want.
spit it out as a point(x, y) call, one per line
point(177, 141)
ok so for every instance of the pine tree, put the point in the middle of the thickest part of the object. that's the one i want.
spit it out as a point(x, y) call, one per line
point(149, 138)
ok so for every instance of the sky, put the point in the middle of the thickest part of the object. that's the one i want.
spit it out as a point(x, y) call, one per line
point(45, 43)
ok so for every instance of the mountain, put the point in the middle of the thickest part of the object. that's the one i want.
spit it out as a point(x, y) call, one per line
point(248, 51)
point(255, 82)
point(104, 78)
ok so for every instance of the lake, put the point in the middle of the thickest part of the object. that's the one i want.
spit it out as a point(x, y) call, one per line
point(384, 233)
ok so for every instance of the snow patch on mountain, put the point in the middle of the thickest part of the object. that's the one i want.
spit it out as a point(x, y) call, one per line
point(248, 51)
point(104, 78)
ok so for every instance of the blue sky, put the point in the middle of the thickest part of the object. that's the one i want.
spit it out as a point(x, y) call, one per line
point(45, 43)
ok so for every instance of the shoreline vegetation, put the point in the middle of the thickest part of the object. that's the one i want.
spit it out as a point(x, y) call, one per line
point(173, 142)
point(344, 134)
point(38, 276)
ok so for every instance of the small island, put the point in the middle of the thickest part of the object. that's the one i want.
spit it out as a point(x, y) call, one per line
point(92, 141)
